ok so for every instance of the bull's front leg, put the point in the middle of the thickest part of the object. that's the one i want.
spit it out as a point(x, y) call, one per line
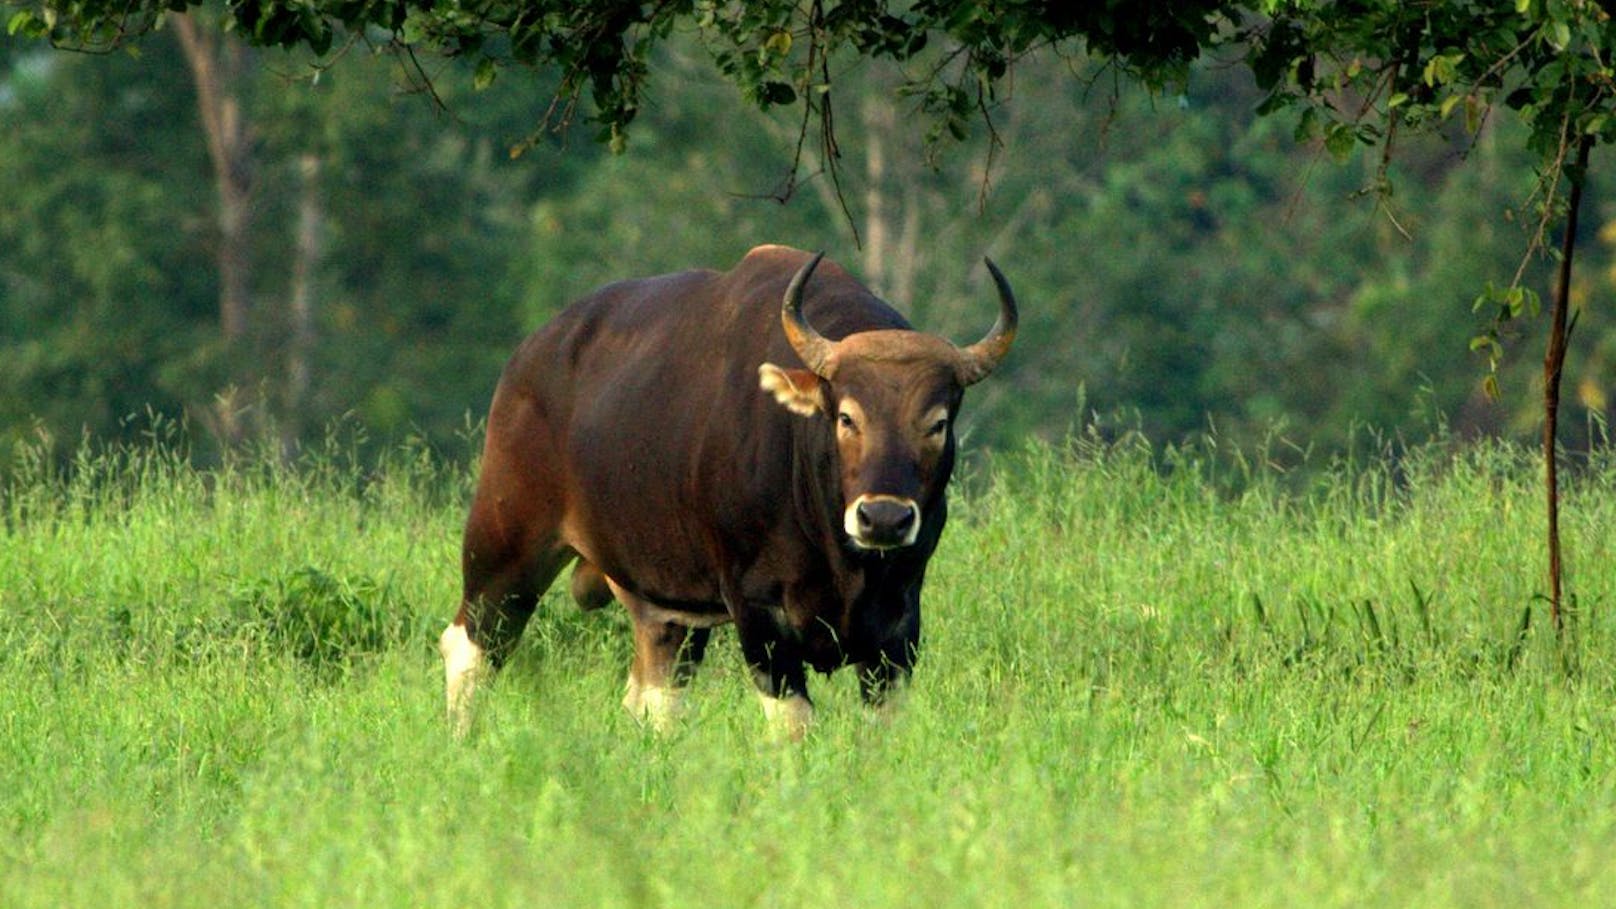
point(884, 677)
point(666, 655)
point(779, 674)
point(882, 683)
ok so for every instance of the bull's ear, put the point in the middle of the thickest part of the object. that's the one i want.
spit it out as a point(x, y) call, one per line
point(797, 390)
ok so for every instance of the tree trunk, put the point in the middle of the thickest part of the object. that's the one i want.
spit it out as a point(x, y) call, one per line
point(907, 255)
point(877, 123)
point(1553, 368)
point(309, 250)
point(218, 62)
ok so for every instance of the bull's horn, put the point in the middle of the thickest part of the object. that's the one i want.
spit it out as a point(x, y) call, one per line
point(814, 348)
point(980, 358)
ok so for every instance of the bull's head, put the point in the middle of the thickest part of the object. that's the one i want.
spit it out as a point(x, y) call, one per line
point(893, 395)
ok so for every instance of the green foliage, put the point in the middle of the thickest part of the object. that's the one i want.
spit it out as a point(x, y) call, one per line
point(1413, 67)
point(88, 245)
point(107, 288)
point(324, 620)
point(774, 52)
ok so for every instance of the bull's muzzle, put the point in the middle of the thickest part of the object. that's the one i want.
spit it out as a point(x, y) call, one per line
point(882, 522)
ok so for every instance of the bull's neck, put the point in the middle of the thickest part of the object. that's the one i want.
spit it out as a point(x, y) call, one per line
point(816, 487)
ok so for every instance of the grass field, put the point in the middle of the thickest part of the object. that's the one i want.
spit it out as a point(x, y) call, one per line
point(1148, 680)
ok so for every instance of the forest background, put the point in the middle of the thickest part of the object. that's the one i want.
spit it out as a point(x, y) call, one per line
point(1186, 268)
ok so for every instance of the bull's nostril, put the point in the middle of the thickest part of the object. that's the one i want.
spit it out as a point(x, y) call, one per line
point(865, 522)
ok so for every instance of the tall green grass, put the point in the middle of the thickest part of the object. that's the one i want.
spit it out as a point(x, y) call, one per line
point(1149, 678)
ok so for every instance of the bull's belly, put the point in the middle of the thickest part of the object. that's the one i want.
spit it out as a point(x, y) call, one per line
point(692, 604)
point(674, 574)
point(681, 597)
point(820, 635)
point(705, 615)
point(819, 646)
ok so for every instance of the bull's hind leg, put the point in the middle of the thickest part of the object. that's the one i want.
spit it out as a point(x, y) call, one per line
point(666, 655)
point(493, 612)
point(464, 666)
point(511, 554)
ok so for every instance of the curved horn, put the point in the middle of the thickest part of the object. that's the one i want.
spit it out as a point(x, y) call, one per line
point(814, 349)
point(980, 358)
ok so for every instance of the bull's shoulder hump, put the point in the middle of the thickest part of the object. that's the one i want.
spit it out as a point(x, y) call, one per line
point(772, 260)
point(776, 251)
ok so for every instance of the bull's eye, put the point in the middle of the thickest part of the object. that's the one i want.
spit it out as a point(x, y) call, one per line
point(845, 421)
point(938, 428)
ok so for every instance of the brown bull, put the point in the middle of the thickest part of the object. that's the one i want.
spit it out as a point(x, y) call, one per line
point(706, 455)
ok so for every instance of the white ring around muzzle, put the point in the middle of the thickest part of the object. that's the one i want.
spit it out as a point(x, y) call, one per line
point(864, 538)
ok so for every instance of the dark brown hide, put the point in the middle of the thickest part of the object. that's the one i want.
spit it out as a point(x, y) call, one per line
point(632, 431)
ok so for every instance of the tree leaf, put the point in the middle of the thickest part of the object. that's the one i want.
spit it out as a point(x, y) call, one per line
point(1339, 141)
point(779, 43)
point(1561, 34)
point(773, 93)
point(484, 76)
point(20, 20)
point(1307, 127)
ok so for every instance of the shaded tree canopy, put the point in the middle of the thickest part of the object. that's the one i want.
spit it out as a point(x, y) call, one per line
point(1366, 66)
point(777, 52)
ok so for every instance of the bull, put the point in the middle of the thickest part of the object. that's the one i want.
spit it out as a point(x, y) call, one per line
point(767, 446)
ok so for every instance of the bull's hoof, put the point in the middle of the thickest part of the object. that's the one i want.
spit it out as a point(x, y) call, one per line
point(464, 667)
point(659, 707)
point(787, 718)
